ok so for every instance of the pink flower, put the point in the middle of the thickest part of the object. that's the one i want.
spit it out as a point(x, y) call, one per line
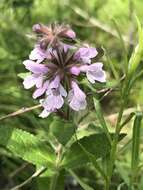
point(94, 72)
point(70, 34)
point(85, 54)
point(76, 98)
point(55, 83)
point(75, 70)
point(37, 76)
point(41, 90)
point(44, 113)
point(38, 54)
point(54, 100)
point(35, 68)
point(33, 80)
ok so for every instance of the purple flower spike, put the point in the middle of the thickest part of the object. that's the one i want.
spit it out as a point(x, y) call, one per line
point(56, 63)
point(94, 72)
point(76, 98)
point(85, 54)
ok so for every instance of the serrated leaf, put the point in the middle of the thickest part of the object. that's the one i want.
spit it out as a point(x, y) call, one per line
point(93, 144)
point(26, 146)
point(62, 130)
point(96, 144)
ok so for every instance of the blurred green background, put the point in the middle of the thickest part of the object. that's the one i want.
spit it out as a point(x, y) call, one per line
point(93, 22)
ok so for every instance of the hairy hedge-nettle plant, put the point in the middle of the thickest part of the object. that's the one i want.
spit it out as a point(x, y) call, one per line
point(63, 72)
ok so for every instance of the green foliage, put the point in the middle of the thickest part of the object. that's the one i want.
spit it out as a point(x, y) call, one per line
point(62, 130)
point(26, 146)
point(136, 146)
point(138, 52)
point(76, 157)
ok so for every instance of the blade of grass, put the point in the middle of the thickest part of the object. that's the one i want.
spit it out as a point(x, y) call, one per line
point(111, 65)
point(122, 44)
point(135, 147)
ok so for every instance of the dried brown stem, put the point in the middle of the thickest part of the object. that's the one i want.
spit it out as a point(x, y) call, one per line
point(36, 174)
point(20, 111)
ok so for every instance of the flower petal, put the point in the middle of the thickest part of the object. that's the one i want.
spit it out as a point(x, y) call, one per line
point(39, 81)
point(48, 103)
point(84, 68)
point(62, 91)
point(85, 54)
point(35, 67)
point(90, 77)
point(41, 91)
point(96, 73)
point(39, 54)
point(58, 101)
point(29, 81)
point(55, 83)
point(44, 113)
point(70, 33)
point(78, 93)
point(77, 105)
point(76, 98)
point(75, 70)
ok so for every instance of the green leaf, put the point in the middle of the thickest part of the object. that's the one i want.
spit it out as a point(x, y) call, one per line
point(93, 144)
point(136, 145)
point(94, 162)
point(123, 170)
point(122, 44)
point(62, 130)
point(96, 145)
point(138, 51)
point(26, 146)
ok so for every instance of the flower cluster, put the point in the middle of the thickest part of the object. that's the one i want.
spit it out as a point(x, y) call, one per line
point(55, 66)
